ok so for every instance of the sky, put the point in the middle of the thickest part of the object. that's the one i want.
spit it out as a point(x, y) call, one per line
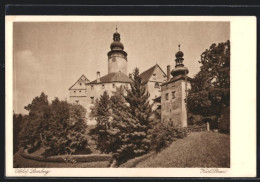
point(50, 57)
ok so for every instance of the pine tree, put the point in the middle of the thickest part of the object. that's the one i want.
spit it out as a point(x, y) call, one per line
point(131, 121)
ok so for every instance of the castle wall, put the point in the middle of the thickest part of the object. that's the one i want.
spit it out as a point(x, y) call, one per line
point(172, 103)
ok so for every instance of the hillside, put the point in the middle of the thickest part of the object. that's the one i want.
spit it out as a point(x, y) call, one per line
point(202, 149)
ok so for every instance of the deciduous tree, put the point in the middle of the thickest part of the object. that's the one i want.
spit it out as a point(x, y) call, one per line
point(210, 88)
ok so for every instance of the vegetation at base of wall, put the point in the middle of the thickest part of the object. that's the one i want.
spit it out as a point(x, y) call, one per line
point(59, 127)
point(197, 128)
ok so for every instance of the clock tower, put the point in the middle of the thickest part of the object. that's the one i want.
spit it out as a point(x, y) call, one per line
point(117, 57)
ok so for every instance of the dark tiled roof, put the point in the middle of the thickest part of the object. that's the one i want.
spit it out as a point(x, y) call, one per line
point(113, 77)
point(146, 75)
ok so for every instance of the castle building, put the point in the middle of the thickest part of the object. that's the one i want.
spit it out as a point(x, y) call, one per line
point(153, 78)
point(157, 83)
point(174, 93)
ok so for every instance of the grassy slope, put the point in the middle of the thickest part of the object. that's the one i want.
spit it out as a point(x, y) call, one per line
point(202, 149)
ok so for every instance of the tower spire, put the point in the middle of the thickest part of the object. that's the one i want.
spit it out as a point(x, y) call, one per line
point(179, 47)
point(116, 28)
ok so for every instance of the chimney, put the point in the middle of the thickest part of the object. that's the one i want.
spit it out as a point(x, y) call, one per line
point(98, 76)
point(168, 72)
point(130, 75)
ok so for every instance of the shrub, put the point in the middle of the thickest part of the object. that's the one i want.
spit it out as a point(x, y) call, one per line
point(164, 134)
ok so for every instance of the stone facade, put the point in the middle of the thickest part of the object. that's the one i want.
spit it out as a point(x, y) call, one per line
point(174, 94)
point(173, 103)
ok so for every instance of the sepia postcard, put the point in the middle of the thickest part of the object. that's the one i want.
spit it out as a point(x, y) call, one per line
point(130, 96)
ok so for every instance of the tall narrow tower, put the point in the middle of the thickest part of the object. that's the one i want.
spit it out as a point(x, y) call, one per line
point(174, 93)
point(117, 57)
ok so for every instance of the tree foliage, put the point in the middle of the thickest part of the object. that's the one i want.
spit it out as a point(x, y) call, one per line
point(101, 112)
point(58, 127)
point(127, 134)
point(17, 126)
point(210, 88)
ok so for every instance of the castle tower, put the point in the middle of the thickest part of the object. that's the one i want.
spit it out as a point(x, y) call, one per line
point(174, 93)
point(117, 57)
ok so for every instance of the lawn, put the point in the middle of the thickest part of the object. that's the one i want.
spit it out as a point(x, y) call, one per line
point(20, 162)
point(201, 149)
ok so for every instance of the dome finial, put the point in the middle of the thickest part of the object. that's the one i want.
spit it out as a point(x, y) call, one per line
point(116, 28)
point(179, 47)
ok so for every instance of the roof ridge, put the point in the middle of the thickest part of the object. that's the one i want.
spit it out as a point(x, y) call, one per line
point(78, 80)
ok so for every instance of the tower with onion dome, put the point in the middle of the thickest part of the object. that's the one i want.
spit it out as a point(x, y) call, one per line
point(174, 93)
point(117, 57)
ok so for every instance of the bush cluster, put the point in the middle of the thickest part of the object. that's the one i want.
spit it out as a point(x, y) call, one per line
point(164, 134)
point(59, 127)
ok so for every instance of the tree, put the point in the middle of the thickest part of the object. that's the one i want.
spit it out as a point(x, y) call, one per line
point(66, 131)
point(210, 88)
point(31, 137)
point(101, 112)
point(59, 127)
point(132, 121)
point(17, 126)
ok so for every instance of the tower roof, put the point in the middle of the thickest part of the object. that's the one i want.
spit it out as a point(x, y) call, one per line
point(116, 45)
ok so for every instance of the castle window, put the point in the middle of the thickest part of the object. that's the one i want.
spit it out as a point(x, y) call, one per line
point(173, 95)
point(77, 101)
point(103, 86)
point(80, 91)
point(154, 76)
point(156, 85)
point(92, 100)
point(114, 85)
point(80, 84)
point(74, 91)
point(92, 87)
point(167, 96)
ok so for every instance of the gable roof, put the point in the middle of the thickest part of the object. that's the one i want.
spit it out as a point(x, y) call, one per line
point(82, 79)
point(113, 77)
point(146, 75)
